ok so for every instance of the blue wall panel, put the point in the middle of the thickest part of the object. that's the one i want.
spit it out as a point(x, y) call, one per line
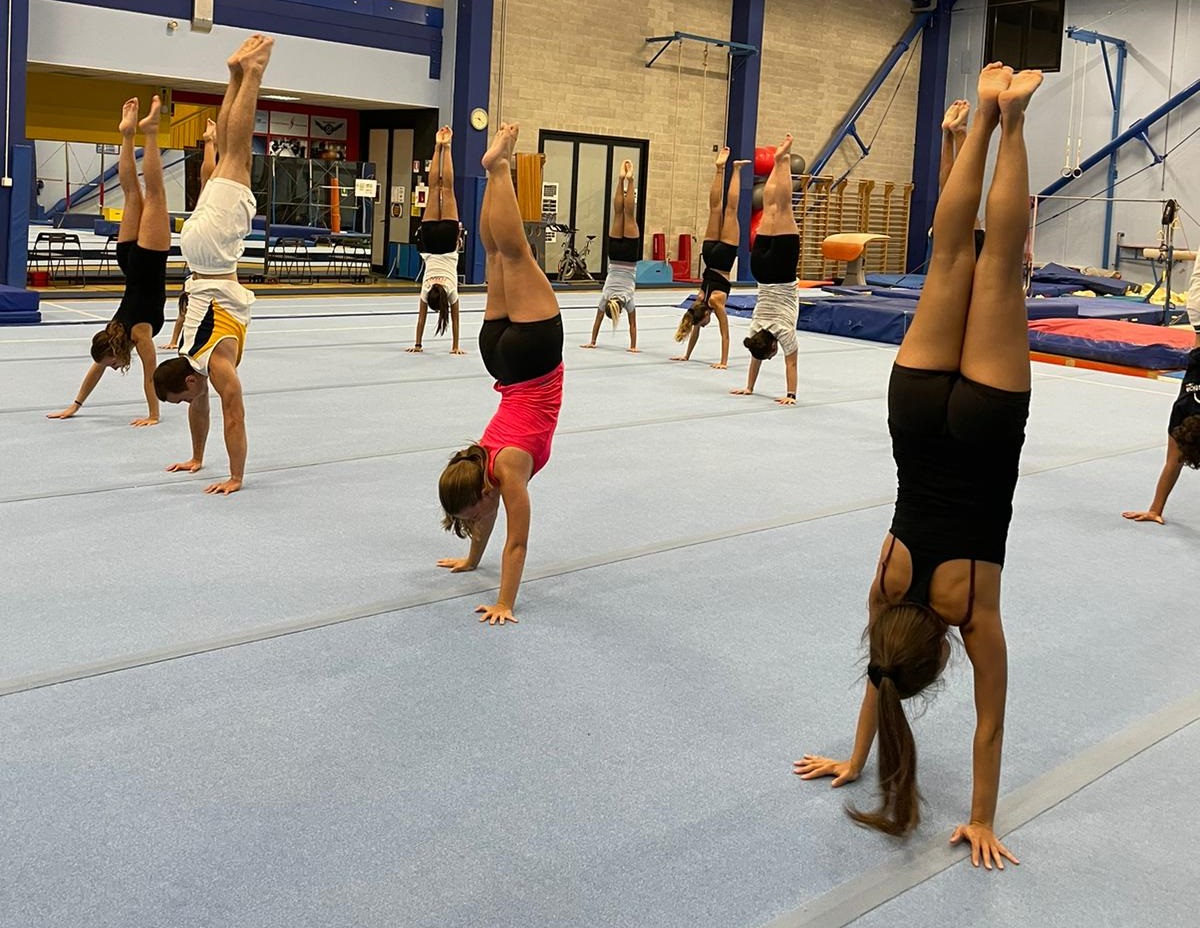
point(14, 200)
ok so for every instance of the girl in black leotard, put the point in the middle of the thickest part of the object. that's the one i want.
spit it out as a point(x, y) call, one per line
point(1183, 425)
point(957, 405)
point(439, 248)
point(721, 238)
point(143, 243)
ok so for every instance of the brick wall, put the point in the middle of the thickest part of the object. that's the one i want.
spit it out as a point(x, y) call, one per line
point(818, 55)
point(579, 67)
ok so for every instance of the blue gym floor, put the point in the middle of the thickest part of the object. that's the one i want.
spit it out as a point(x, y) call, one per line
point(273, 709)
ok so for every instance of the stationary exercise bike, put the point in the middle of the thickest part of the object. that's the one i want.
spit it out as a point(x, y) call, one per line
point(573, 264)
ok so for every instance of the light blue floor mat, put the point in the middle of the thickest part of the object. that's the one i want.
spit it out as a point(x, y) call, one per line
point(274, 709)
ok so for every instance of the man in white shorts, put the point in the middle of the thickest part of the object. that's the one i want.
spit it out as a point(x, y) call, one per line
point(218, 307)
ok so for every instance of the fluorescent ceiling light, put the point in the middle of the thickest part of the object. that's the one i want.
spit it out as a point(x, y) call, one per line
point(277, 96)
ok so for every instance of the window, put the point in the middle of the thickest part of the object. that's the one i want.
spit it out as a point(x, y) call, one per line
point(1025, 33)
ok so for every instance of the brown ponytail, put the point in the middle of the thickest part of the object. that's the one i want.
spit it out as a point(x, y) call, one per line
point(113, 341)
point(906, 641)
point(438, 300)
point(461, 487)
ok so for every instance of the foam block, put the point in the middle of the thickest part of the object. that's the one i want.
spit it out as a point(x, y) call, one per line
point(19, 306)
point(652, 272)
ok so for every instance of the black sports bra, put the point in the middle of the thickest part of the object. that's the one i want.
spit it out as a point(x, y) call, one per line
point(711, 282)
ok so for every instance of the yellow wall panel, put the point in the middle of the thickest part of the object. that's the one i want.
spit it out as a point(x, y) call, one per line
point(65, 108)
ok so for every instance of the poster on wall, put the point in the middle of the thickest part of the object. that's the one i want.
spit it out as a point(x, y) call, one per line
point(328, 151)
point(260, 122)
point(327, 127)
point(288, 148)
point(292, 124)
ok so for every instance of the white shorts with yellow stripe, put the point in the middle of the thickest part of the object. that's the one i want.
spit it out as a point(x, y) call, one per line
point(216, 310)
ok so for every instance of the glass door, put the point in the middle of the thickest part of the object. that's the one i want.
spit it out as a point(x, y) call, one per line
point(579, 179)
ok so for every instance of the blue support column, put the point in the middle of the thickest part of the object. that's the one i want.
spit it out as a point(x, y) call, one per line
point(931, 100)
point(14, 199)
point(745, 27)
point(472, 89)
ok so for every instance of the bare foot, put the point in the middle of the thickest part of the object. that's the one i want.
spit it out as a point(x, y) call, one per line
point(993, 79)
point(257, 57)
point(955, 120)
point(129, 117)
point(722, 157)
point(443, 135)
point(588, 345)
point(149, 125)
point(1016, 97)
point(502, 147)
point(784, 151)
point(210, 131)
point(236, 60)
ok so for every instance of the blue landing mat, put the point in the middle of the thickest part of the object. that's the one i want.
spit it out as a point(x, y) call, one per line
point(884, 316)
point(1098, 307)
point(907, 281)
point(19, 306)
point(1040, 287)
point(1057, 274)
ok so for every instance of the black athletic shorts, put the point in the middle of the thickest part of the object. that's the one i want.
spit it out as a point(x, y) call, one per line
point(439, 236)
point(514, 352)
point(623, 249)
point(145, 286)
point(774, 258)
point(957, 445)
point(719, 255)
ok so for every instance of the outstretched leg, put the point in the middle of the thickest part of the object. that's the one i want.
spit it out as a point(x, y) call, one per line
point(778, 217)
point(935, 340)
point(154, 229)
point(495, 307)
point(996, 346)
point(731, 230)
point(444, 164)
point(250, 61)
point(209, 165)
point(628, 205)
point(433, 205)
point(131, 212)
point(954, 133)
point(712, 231)
point(527, 292)
point(616, 227)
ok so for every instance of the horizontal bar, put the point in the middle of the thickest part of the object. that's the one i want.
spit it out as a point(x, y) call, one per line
point(1086, 35)
point(1057, 196)
point(737, 48)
